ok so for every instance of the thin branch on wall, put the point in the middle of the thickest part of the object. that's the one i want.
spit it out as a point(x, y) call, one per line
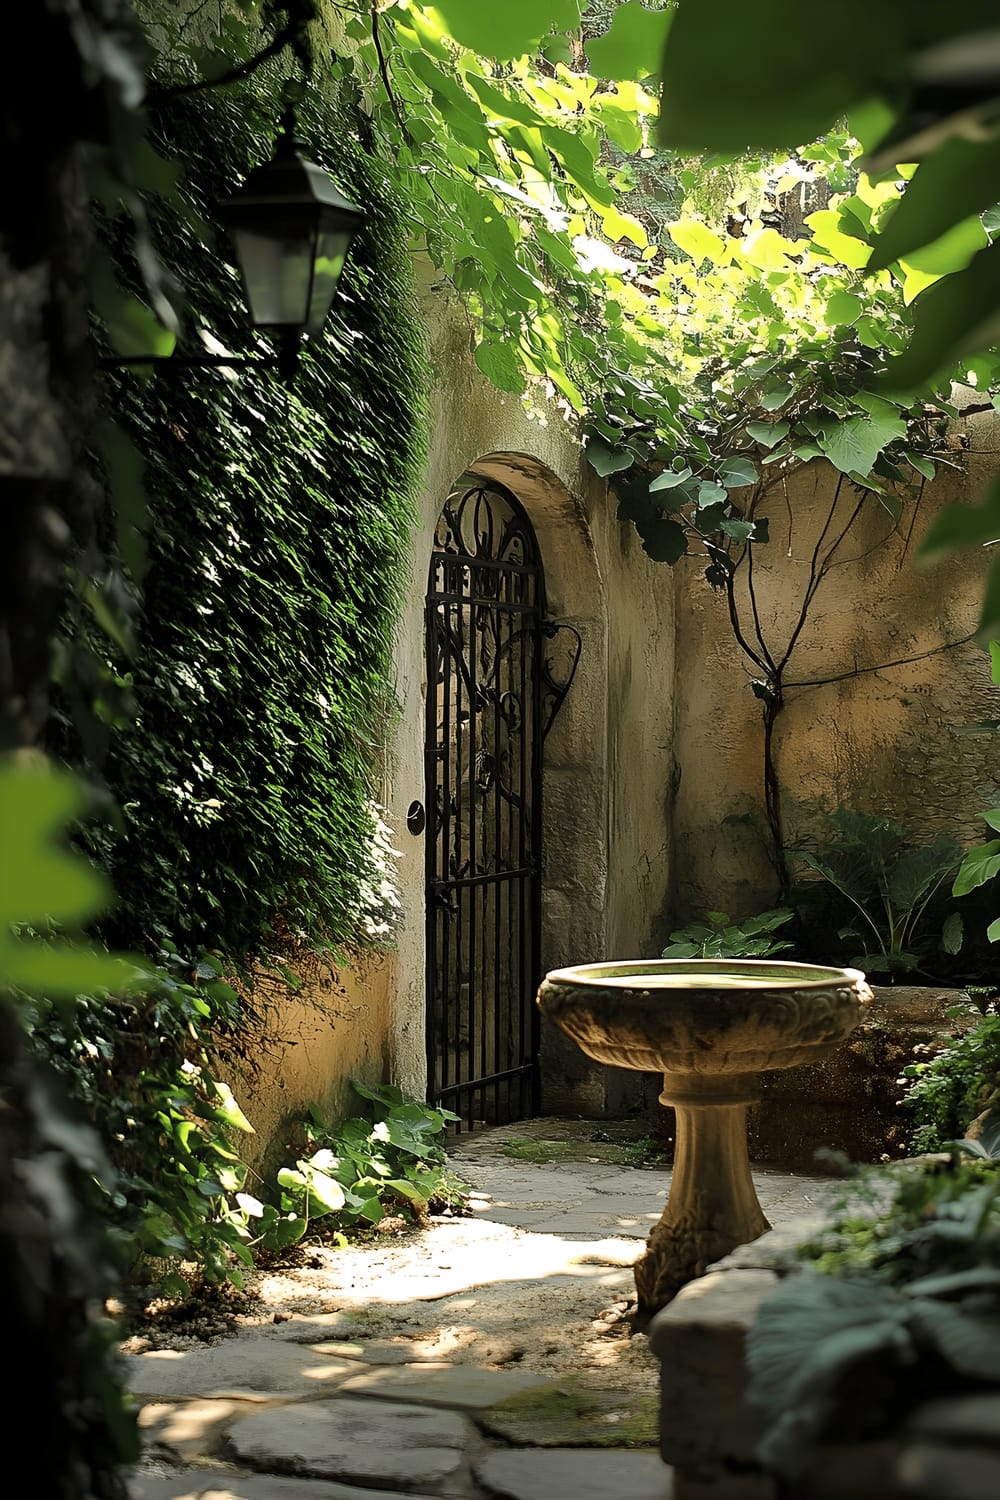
point(882, 666)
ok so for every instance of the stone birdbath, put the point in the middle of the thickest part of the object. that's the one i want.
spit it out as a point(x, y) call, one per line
point(711, 1026)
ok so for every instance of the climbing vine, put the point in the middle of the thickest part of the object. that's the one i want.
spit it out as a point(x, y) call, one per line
point(278, 526)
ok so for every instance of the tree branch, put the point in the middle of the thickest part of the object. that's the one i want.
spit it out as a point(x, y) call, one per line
point(902, 661)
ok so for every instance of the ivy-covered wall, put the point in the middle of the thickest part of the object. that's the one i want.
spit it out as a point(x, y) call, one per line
point(279, 524)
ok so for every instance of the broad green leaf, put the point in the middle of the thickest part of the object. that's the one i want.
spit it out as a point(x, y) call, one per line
point(503, 106)
point(716, 53)
point(775, 398)
point(767, 433)
point(951, 252)
point(957, 180)
point(509, 30)
point(843, 307)
point(952, 932)
point(980, 865)
point(710, 493)
point(622, 125)
point(739, 530)
point(828, 235)
point(408, 1190)
point(663, 540)
point(993, 931)
point(631, 47)
point(958, 315)
point(737, 473)
point(228, 1110)
point(698, 241)
point(767, 250)
point(922, 464)
point(968, 1341)
point(618, 226)
point(669, 479)
point(41, 879)
point(853, 444)
point(500, 364)
point(605, 460)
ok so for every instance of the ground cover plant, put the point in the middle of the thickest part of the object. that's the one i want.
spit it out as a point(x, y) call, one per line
point(947, 1093)
point(354, 1173)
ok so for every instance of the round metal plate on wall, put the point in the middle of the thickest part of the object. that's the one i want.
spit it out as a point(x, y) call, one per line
point(416, 818)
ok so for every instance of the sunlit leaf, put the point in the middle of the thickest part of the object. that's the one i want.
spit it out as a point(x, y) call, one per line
point(958, 315)
point(509, 30)
point(958, 180)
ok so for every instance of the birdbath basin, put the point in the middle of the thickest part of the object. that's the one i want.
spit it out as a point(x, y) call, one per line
point(711, 1026)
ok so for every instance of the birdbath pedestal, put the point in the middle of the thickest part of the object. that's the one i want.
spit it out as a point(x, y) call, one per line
point(711, 1026)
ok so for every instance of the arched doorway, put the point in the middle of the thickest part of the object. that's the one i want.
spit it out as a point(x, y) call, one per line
point(491, 696)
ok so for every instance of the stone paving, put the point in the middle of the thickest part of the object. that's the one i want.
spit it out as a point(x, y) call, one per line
point(445, 1388)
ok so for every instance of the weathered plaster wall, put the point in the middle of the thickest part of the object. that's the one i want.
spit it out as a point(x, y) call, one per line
point(336, 1028)
point(881, 741)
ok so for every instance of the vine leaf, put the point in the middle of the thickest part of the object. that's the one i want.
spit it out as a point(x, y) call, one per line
point(958, 180)
point(630, 50)
point(510, 30)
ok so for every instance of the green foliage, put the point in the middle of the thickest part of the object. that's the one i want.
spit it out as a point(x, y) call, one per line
point(719, 937)
point(889, 882)
point(362, 1169)
point(47, 890)
point(948, 1091)
point(891, 71)
point(909, 1309)
point(278, 526)
point(142, 1068)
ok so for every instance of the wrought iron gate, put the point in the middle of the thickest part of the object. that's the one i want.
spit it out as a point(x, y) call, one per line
point(491, 696)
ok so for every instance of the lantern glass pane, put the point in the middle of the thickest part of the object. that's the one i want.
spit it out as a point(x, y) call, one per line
point(277, 273)
point(331, 252)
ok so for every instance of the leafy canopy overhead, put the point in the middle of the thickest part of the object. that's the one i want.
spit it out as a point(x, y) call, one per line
point(714, 324)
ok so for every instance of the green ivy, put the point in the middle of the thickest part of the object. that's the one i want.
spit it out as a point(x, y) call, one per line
point(279, 524)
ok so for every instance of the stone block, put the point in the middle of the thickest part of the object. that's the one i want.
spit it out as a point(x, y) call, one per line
point(573, 1474)
point(382, 1444)
point(706, 1428)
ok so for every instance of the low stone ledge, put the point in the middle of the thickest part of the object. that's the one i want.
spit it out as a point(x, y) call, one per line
point(948, 1447)
point(707, 1431)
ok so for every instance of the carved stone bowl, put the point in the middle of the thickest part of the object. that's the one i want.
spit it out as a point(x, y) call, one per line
point(705, 1016)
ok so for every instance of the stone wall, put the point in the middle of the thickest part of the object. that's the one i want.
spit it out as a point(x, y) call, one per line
point(876, 738)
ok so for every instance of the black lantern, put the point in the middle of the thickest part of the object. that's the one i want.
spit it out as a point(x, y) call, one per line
point(291, 228)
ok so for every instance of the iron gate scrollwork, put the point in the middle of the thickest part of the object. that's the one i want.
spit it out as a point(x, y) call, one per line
point(493, 689)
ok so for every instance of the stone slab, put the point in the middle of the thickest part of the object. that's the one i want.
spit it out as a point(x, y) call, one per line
point(192, 1429)
point(462, 1386)
point(573, 1474)
point(197, 1484)
point(700, 1341)
point(239, 1367)
point(634, 1183)
point(382, 1443)
point(399, 1351)
point(570, 1415)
